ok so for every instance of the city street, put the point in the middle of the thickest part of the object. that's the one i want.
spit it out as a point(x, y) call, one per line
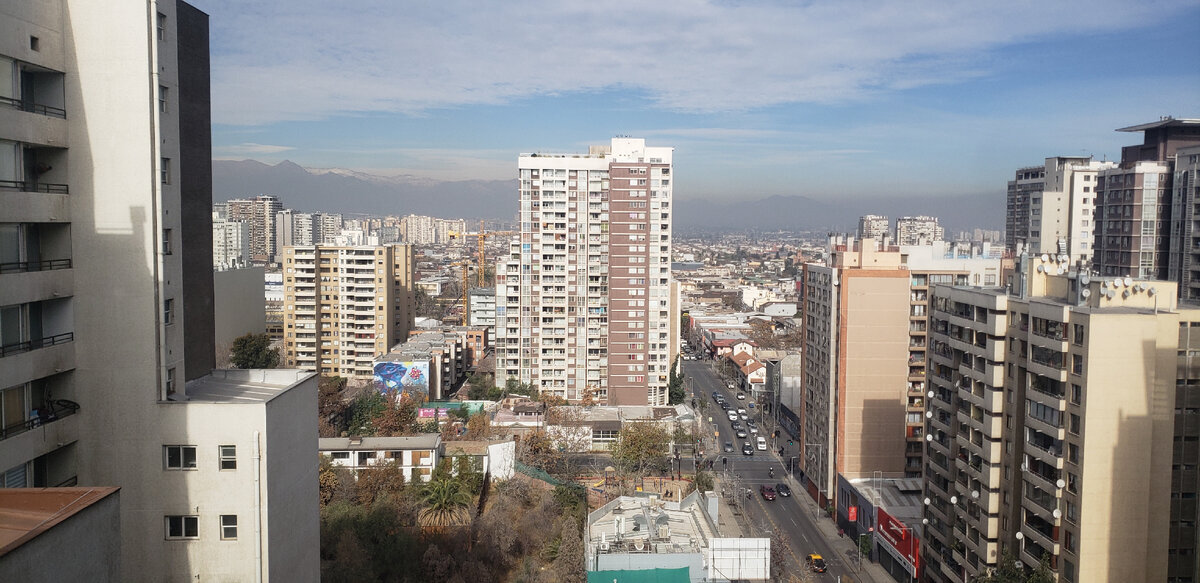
point(793, 516)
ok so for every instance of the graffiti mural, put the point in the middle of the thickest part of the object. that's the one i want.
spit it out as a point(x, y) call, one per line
point(402, 378)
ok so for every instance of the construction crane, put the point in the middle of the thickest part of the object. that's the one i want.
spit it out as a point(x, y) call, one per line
point(466, 270)
point(481, 238)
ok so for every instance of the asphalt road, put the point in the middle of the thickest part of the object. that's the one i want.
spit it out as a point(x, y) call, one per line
point(792, 516)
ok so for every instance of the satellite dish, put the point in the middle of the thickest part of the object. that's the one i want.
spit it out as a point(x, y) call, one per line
point(1085, 279)
point(1116, 282)
point(1087, 293)
point(1128, 281)
point(1152, 291)
point(1057, 513)
point(930, 394)
point(954, 499)
point(928, 437)
point(929, 414)
point(1062, 270)
point(1125, 294)
point(1104, 284)
point(1020, 535)
point(1041, 269)
point(927, 501)
point(1063, 259)
point(975, 494)
point(1060, 483)
point(1045, 257)
point(1110, 293)
point(1019, 563)
point(924, 521)
point(1024, 466)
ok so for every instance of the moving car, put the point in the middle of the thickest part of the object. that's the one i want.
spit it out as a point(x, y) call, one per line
point(762, 443)
point(815, 562)
point(733, 416)
point(747, 449)
point(783, 490)
point(728, 447)
point(752, 426)
point(740, 432)
point(768, 493)
point(741, 396)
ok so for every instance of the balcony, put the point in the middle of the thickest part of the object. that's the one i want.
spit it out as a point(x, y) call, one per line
point(45, 415)
point(52, 427)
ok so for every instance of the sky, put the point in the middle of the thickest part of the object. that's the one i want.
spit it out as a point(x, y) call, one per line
point(823, 98)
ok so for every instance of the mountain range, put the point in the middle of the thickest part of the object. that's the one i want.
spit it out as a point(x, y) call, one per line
point(351, 192)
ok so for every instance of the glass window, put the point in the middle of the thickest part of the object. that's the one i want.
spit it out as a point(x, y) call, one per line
point(228, 456)
point(180, 457)
point(180, 527)
point(228, 527)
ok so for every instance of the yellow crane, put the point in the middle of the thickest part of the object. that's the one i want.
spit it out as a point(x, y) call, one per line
point(466, 270)
point(481, 239)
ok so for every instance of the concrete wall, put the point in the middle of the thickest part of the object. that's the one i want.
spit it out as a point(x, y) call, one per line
point(85, 547)
point(292, 521)
point(239, 307)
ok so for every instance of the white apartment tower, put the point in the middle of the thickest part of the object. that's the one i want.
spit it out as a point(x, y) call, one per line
point(583, 301)
point(874, 227)
point(920, 230)
point(231, 243)
point(1052, 206)
point(106, 300)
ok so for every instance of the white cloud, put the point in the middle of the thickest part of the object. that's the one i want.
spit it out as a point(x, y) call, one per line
point(276, 60)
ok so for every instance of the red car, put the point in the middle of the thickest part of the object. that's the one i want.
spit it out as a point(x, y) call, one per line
point(768, 493)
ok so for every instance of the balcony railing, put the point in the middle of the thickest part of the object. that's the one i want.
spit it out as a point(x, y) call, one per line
point(52, 412)
point(26, 346)
point(34, 186)
point(25, 266)
point(23, 105)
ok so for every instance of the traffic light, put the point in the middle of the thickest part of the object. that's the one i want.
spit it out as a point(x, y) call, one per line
point(789, 442)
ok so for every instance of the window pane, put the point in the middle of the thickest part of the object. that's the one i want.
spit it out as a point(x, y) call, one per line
point(173, 458)
point(189, 457)
point(191, 526)
point(174, 526)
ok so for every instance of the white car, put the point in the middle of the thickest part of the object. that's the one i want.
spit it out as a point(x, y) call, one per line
point(762, 444)
point(733, 415)
point(741, 396)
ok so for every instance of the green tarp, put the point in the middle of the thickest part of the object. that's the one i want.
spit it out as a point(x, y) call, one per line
point(679, 575)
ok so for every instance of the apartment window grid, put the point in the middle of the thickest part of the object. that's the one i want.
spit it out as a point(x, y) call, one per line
point(182, 526)
point(163, 91)
point(169, 311)
point(179, 457)
point(164, 170)
point(162, 26)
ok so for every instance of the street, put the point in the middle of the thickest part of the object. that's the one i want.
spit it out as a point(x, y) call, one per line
point(792, 516)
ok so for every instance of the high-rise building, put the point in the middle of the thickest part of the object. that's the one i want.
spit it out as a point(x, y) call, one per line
point(865, 329)
point(1134, 207)
point(921, 230)
point(231, 243)
point(875, 227)
point(343, 306)
point(1059, 420)
point(260, 214)
point(583, 300)
point(106, 301)
point(1185, 226)
point(1051, 207)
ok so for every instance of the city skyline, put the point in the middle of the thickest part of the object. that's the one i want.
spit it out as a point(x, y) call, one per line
point(865, 101)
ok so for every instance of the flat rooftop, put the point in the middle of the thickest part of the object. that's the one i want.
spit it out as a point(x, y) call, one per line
point(243, 385)
point(628, 520)
point(423, 441)
point(27, 512)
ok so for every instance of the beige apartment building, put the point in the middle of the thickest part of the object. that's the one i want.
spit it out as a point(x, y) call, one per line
point(1060, 418)
point(865, 319)
point(343, 306)
point(584, 299)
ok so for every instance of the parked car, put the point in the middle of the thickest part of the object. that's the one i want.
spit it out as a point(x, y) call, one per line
point(747, 449)
point(783, 490)
point(768, 493)
point(815, 562)
point(728, 447)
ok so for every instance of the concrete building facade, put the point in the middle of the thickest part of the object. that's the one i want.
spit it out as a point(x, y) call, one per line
point(343, 306)
point(1051, 427)
point(1059, 206)
point(876, 227)
point(584, 296)
point(919, 230)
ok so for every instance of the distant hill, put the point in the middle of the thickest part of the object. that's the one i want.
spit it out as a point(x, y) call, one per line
point(350, 192)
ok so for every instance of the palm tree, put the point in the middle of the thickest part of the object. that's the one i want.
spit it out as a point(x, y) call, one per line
point(446, 504)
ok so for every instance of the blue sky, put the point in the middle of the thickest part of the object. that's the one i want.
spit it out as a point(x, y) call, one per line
point(826, 99)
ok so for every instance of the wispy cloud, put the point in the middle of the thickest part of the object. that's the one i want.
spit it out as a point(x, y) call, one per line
point(250, 149)
point(276, 60)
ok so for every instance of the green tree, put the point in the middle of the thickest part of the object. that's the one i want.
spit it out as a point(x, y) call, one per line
point(364, 410)
point(703, 481)
point(640, 447)
point(568, 565)
point(254, 351)
point(675, 392)
point(445, 503)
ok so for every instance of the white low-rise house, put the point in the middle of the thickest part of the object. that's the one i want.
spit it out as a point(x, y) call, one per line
point(494, 458)
point(417, 455)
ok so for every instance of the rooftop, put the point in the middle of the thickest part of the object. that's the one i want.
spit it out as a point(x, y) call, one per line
point(1162, 123)
point(628, 522)
point(423, 441)
point(27, 512)
point(243, 385)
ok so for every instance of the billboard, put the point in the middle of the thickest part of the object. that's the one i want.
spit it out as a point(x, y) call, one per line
point(898, 540)
point(399, 378)
point(740, 558)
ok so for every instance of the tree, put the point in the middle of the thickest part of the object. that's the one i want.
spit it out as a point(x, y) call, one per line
point(254, 351)
point(703, 481)
point(445, 503)
point(640, 447)
point(675, 392)
point(364, 410)
point(385, 479)
point(331, 406)
point(568, 564)
point(479, 426)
